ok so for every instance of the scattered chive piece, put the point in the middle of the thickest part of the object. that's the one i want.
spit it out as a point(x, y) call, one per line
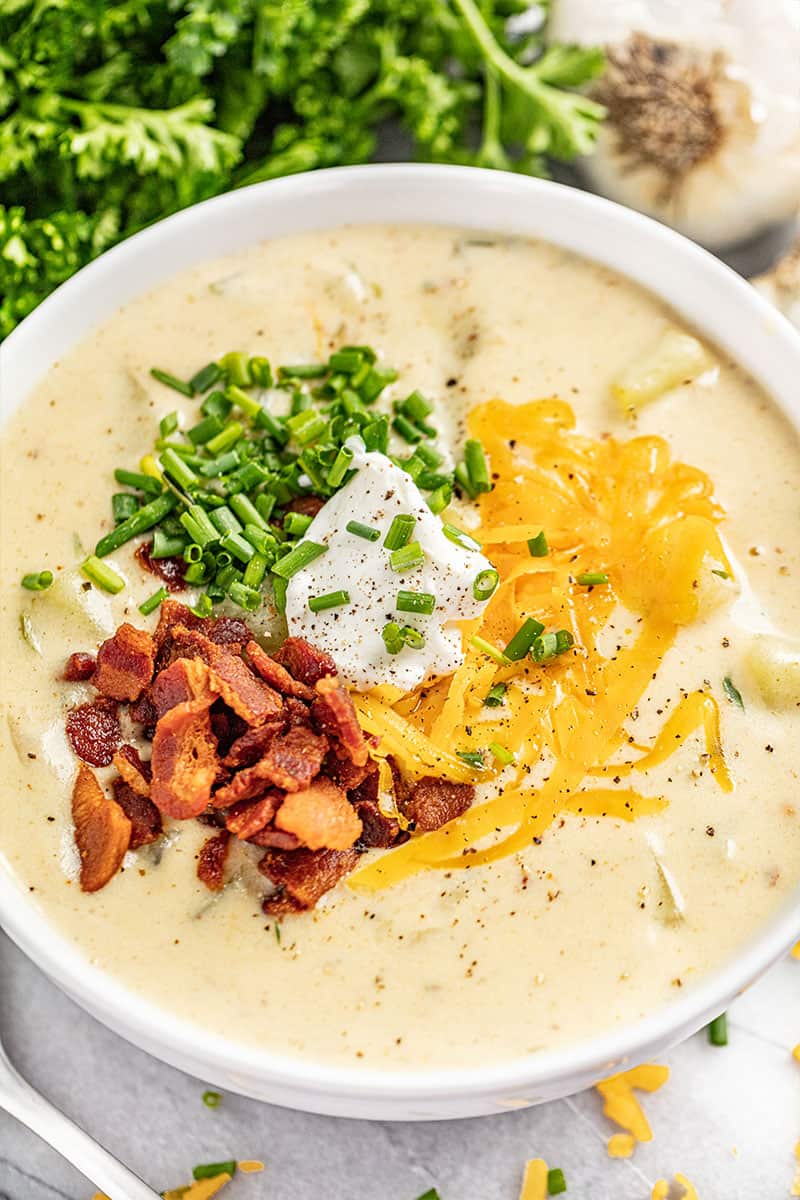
point(246, 597)
point(169, 422)
point(400, 531)
point(407, 557)
point(368, 532)
point(123, 505)
point(303, 371)
point(340, 467)
point(152, 602)
point(171, 381)
point(206, 377)
point(243, 400)
point(485, 584)
point(216, 405)
point(412, 637)
point(198, 525)
point(592, 578)
point(416, 407)
point(142, 520)
point(406, 429)
point(238, 546)
point(330, 600)
point(721, 574)
point(459, 538)
point(732, 692)
point(479, 643)
point(38, 581)
point(260, 371)
point(440, 498)
point(549, 645)
point(225, 520)
point(415, 602)
point(523, 639)
point(178, 469)
point(193, 553)
point(142, 483)
point(236, 367)
point(556, 1183)
point(496, 695)
point(295, 522)
point(718, 1030)
point(392, 637)
point(501, 754)
point(205, 430)
point(298, 558)
point(102, 574)
point(227, 439)
point(212, 1099)
point(537, 546)
point(431, 1194)
point(211, 1170)
point(306, 426)
point(255, 571)
point(463, 480)
point(279, 586)
point(474, 758)
point(477, 466)
point(246, 511)
point(430, 457)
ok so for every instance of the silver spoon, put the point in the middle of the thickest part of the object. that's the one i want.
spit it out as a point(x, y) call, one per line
point(20, 1100)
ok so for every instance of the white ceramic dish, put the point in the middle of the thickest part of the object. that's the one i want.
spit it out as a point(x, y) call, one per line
point(700, 288)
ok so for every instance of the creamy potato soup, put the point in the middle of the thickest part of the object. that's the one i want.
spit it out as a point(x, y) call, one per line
point(636, 816)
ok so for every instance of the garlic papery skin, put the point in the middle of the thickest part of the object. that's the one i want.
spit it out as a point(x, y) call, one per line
point(703, 99)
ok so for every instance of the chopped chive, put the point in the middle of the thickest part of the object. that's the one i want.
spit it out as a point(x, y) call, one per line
point(225, 520)
point(374, 382)
point(178, 469)
point(416, 407)
point(477, 466)
point(400, 531)
point(440, 498)
point(537, 546)
point(300, 402)
point(732, 692)
point(412, 637)
point(169, 422)
point(142, 483)
point(228, 575)
point(221, 465)
point(718, 1030)
point(415, 602)
point(206, 377)
point(479, 643)
point(243, 400)
point(261, 539)
point(329, 600)
point(459, 538)
point(279, 586)
point(347, 360)
point(298, 558)
point(123, 505)
point(376, 435)
point(306, 426)
point(38, 581)
point(556, 1183)
point(430, 480)
point(340, 467)
point(523, 639)
point(392, 637)
point(592, 578)
point(255, 571)
point(236, 367)
point(501, 754)
point(251, 475)
point(210, 1170)
point(407, 557)
point(722, 574)
point(276, 429)
point(216, 405)
point(211, 1099)
point(198, 525)
point(303, 371)
point(260, 371)
point(226, 439)
point(166, 545)
point(473, 758)
point(496, 695)
point(142, 520)
point(485, 584)
point(368, 532)
point(238, 546)
point(549, 645)
point(205, 430)
point(196, 572)
point(193, 553)
point(406, 429)
point(265, 503)
point(564, 641)
point(102, 574)
point(246, 511)
point(203, 607)
point(297, 523)
point(152, 602)
point(246, 597)
point(171, 381)
point(431, 458)
point(462, 478)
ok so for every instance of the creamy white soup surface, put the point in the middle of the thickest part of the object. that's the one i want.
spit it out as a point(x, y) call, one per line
point(594, 923)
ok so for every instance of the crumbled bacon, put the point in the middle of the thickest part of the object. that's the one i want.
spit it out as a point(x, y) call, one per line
point(136, 773)
point(377, 830)
point(334, 713)
point(249, 816)
point(143, 815)
point(183, 680)
point(211, 860)
point(184, 760)
point(143, 712)
point(223, 631)
point(433, 802)
point(276, 675)
point(253, 744)
point(301, 877)
point(125, 664)
point(170, 570)
point(320, 817)
point(102, 831)
point(93, 731)
point(294, 759)
point(270, 836)
point(304, 661)
point(79, 667)
point(252, 699)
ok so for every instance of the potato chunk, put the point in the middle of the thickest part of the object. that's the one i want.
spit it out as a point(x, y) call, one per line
point(676, 358)
point(774, 663)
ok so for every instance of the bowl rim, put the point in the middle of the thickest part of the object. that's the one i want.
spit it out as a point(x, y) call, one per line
point(719, 303)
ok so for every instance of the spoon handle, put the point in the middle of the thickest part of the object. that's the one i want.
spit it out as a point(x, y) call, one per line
point(20, 1100)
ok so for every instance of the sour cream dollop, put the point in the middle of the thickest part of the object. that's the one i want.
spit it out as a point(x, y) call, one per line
point(351, 633)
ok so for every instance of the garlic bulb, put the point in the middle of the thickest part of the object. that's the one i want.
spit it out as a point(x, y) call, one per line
point(703, 100)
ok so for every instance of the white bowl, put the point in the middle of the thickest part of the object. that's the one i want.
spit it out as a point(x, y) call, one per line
point(703, 291)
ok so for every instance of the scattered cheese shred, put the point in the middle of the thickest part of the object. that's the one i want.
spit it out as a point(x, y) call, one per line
point(661, 1189)
point(202, 1189)
point(796, 1052)
point(796, 950)
point(251, 1166)
point(620, 1104)
point(621, 1145)
point(796, 1185)
point(534, 1184)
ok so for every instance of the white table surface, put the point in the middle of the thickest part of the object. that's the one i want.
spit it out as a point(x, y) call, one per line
point(728, 1118)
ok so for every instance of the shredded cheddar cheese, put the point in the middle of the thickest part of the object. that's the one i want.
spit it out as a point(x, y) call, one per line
point(621, 1105)
point(202, 1189)
point(534, 1183)
point(796, 1052)
point(796, 950)
point(251, 1166)
point(796, 1185)
point(661, 1189)
point(623, 508)
point(621, 1145)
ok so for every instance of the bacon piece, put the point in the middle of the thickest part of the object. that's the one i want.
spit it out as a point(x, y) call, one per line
point(270, 836)
point(227, 631)
point(303, 876)
point(253, 744)
point(137, 774)
point(378, 830)
point(184, 760)
point(211, 861)
point(294, 758)
point(249, 698)
point(433, 802)
point(248, 817)
point(102, 831)
point(183, 680)
point(170, 570)
point(143, 815)
point(125, 663)
point(295, 712)
point(79, 667)
point(93, 731)
point(304, 661)
point(223, 631)
point(144, 713)
point(320, 817)
point(334, 713)
point(307, 506)
point(276, 675)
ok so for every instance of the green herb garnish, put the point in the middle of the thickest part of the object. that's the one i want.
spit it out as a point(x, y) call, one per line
point(732, 692)
point(38, 581)
point(718, 1030)
point(211, 1170)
